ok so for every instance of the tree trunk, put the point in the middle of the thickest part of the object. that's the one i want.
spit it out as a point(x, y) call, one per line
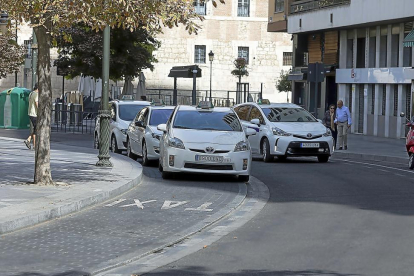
point(42, 175)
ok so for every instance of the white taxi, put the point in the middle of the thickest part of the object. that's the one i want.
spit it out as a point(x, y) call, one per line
point(205, 139)
point(285, 129)
point(143, 137)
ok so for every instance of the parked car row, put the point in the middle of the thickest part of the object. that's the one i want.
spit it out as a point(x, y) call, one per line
point(217, 140)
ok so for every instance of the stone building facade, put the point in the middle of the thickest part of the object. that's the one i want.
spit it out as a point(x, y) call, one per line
point(235, 28)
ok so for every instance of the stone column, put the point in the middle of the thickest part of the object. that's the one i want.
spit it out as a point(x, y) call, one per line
point(376, 87)
point(401, 94)
point(388, 109)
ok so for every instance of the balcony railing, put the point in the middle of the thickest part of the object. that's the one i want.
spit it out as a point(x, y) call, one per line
point(310, 5)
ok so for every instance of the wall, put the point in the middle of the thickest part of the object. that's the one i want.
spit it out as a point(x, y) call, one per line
point(223, 32)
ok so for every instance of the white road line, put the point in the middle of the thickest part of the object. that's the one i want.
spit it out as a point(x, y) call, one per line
point(381, 166)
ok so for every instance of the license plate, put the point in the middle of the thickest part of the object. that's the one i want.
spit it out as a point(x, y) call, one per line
point(309, 145)
point(209, 158)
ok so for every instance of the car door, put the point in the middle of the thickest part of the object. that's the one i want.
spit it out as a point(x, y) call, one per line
point(255, 113)
point(133, 134)
point(143, 117)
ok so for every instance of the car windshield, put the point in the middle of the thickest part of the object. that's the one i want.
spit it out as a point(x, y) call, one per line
point(127, 112)
point(159, 116)
point(288, 114)
point(207, 120)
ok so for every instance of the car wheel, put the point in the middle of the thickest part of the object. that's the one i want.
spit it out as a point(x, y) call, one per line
point(323, 158)
point(145, 161)
point(96, 141)
point(282, 157)
point(266, 151)
point(114, 145)
point(244, 178)
point(130, 154)
point(166, 175)
point(411, 162)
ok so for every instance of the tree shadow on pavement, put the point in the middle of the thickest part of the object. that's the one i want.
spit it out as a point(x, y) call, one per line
point(67, 273)
point(198, 271)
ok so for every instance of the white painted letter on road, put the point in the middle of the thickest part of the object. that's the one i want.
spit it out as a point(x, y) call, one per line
point(202, 208)
point(138, 203)
point(172, 204)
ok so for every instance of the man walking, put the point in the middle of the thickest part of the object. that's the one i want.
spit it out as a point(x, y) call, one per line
point(32, 111)
point(343, 121)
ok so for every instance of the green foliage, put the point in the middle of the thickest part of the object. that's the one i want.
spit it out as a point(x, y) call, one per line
point(241, 68)
point(80, 51)
point(11, 54)
point(283, 84)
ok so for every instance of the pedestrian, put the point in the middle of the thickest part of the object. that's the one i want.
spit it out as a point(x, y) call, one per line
point(32, 111)
point(343, 121)
point(329, 121)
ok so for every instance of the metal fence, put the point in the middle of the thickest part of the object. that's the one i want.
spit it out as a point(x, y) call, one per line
point(219, 98)
point(72, 119)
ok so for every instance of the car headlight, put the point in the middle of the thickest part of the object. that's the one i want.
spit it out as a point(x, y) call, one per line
point(279, 132)
point(327, 133)
point(156, 136)
point(176, 143)
point(242, 146)
point(124, 131)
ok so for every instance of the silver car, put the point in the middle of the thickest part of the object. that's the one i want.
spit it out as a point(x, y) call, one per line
point(122, 113)
point(143, 137)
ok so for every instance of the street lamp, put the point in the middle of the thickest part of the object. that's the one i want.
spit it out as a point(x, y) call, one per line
point(211, 58)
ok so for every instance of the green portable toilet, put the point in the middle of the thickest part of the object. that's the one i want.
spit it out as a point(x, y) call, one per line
point(14, 103)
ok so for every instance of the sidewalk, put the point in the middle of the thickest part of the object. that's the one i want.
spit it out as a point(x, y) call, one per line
point(374, 149)
point(82, 183)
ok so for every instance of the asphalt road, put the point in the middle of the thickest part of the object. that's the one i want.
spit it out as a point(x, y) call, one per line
point(346, 217)
point(342, 218)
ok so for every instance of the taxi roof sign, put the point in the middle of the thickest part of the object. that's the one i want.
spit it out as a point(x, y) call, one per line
point(205, 105)
point(263, 101)
point(127, 97)
point(157, 102)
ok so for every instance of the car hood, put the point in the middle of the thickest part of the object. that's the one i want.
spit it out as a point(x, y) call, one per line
point(154, 130)
point(301, 127)
point(209, 137)
point(123, 124)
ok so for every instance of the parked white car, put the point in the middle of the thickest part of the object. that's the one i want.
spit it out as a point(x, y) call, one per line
point(285, 129)
point(205, 139)
point(122, 113)
point(143, 137)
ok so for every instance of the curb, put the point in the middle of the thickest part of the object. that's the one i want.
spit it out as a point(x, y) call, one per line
point(69, 201)
point(371, 157)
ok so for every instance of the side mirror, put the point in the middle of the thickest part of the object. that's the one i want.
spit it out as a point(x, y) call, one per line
point(162, 127)
point(250, 132)
point(402, 114)
point(255, 121)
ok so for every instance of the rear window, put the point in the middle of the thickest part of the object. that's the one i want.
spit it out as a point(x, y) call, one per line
point(160, 116)
point(127, 112)
point(207, 120)
point(284, 114)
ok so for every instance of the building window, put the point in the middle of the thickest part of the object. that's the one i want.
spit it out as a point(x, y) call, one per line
point(287, 59)
point(243, 8)
point(200, 54)
point(279, 5)
point(200, 7)
point(373, 100)
point(395, 100)
point(244, 53)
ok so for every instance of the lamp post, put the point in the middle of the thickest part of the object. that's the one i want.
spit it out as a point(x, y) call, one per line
point(211, 58)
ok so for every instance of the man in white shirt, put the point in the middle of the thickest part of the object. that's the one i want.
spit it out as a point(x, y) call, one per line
point(343, 121)
point(32, 111)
